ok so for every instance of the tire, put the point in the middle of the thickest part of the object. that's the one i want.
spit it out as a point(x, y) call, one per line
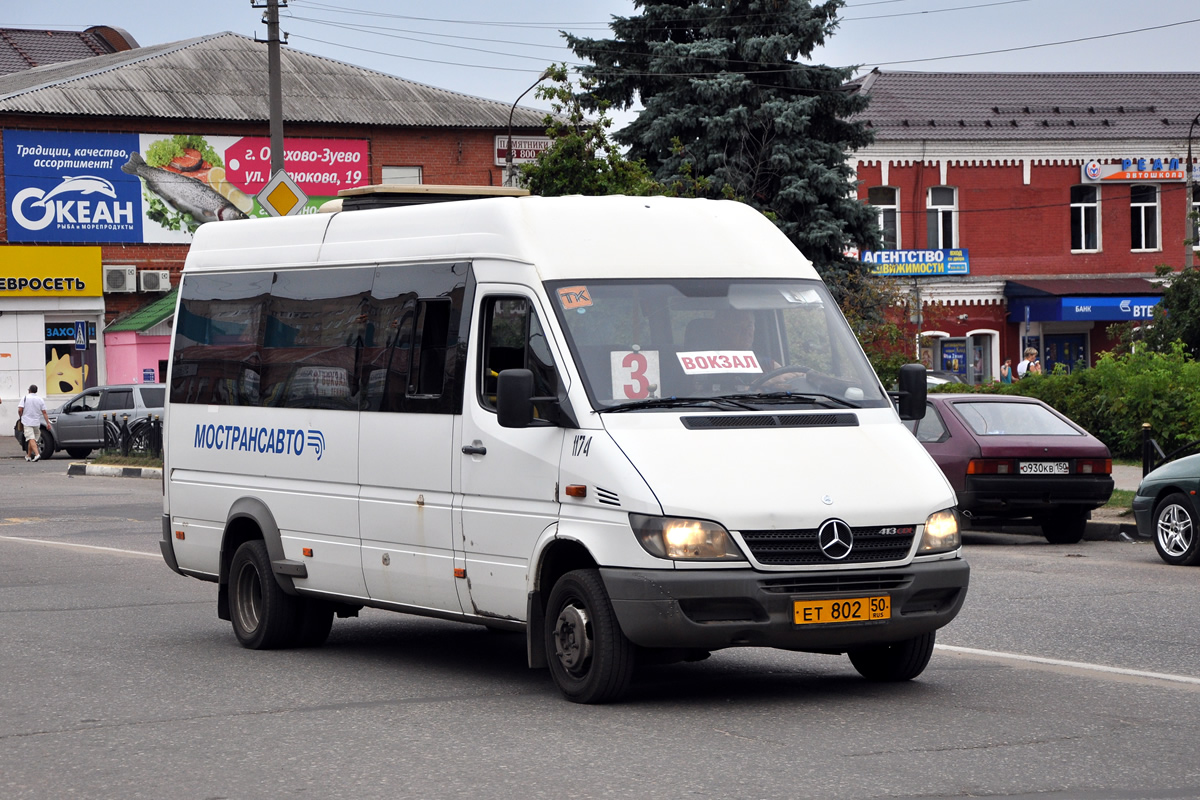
point(899, 661)
point(590, 659)
point(264, 616)
point(1065, 526)
point(316, 623)
point(79, 452)
point(1175, 535)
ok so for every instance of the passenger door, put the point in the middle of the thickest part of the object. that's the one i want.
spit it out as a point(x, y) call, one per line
point(508, 476)
point(79, 421)
point(411, 372)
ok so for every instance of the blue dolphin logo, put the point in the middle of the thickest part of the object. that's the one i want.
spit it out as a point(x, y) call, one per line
point(84, 184)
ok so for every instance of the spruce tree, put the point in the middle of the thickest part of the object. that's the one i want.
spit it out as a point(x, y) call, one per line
point(730, 108)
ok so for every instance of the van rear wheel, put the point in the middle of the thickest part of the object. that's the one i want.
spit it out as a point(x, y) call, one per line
point(898, 661)
point(589, 657)
point(264, 616)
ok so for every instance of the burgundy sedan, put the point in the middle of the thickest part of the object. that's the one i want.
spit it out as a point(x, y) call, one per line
point(1011, 457)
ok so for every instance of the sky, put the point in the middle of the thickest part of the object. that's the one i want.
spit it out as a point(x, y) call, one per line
point(496, 50)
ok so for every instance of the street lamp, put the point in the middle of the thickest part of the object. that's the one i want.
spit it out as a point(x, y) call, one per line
point(509, 175)
point(1189, 227)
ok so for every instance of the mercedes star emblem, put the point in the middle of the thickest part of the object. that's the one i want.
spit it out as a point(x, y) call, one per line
point(835, 539)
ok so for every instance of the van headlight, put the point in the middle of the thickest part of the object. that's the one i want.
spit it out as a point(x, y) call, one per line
point(675, 537)
point(941, 533)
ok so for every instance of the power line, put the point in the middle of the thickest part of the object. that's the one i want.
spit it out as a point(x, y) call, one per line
point(370, 29)
point(410, 58)
point(1045, 44)
point(935, 10)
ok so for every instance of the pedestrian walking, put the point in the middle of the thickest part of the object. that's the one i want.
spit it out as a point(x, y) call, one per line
point(32, 411)
point(1006, 375)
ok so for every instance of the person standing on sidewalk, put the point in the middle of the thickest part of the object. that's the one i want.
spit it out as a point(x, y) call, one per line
point(32, 411)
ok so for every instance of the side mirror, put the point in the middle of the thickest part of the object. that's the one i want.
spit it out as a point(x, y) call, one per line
point(913, 391)
point(514, 398)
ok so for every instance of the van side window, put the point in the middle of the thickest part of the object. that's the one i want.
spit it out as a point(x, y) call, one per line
point(313, 337)
point(513, 338)
point(369, 338)
point(218, 332)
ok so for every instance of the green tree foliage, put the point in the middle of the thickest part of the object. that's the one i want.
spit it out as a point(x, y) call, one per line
point(1124, 390)
point(730, 111)
point(581, 158)
point(1177, 316)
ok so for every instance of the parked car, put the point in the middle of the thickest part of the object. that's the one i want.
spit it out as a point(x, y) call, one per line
point(77, 426)
point(937, 377)
point(1011, 457)
point(1165, 510)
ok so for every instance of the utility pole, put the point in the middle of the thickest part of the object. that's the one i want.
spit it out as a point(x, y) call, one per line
point(1187, 200)
point(275, 78)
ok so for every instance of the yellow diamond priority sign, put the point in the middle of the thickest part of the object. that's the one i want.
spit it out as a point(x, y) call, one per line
point(281, 197)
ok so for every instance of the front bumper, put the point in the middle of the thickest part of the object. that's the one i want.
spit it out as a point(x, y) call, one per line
point(714, 609)
point(1023, 495)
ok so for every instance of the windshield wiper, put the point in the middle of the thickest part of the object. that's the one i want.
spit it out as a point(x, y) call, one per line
point(680, 402)
point(815, 398)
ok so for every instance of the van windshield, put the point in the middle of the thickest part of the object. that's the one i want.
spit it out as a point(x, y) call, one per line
point(658, 343)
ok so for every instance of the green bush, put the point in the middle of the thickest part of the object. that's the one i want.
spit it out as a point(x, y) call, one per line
point(1114, 398)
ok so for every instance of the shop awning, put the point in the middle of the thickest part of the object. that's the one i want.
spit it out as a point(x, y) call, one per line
point(1066, 299)
point(146, 317)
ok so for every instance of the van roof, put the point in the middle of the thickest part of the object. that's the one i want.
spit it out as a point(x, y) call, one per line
point(565, 238)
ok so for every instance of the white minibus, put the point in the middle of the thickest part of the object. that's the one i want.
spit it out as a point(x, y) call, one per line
point(637, 430)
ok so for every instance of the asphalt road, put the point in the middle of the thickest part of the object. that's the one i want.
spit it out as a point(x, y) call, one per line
point(1072, 672)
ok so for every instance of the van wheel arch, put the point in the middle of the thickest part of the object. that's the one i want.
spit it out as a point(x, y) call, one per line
point(249, 519)
point(559, 558)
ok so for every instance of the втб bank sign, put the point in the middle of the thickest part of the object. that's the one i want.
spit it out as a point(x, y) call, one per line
point(143, 187)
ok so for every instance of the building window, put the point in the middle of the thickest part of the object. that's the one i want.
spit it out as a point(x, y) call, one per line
point(941, 218)
point(1143, 217)
point(406, 176)
point(886, 200)
point(1085, 218)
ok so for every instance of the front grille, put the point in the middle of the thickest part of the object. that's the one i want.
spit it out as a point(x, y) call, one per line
point(826, 583)
point(800, 546)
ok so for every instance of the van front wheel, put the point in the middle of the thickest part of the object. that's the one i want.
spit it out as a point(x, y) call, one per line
point(589, 657)
point(899, 661)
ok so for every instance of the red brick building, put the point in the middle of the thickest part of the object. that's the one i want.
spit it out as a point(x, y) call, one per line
point(111, 161)
point(1028, 208)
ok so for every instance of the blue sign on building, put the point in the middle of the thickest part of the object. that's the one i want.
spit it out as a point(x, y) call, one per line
point(1104, 309)
point(69, 187)
point(910, 263)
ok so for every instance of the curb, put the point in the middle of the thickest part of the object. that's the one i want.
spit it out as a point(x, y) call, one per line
point(1096, 531)
point(1112, 532)
point(82, 468)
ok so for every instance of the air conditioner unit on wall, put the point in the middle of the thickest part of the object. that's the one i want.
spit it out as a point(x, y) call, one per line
point(120, 279)
point(154, 280)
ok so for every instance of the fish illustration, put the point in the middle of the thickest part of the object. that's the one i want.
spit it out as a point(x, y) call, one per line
point(189, 195)
point(84, 184)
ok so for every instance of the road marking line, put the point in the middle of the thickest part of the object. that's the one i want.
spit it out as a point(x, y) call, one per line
point(1054, 662)
point(82, 546)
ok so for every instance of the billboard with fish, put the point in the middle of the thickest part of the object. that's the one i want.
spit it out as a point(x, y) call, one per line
point(157, 188)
